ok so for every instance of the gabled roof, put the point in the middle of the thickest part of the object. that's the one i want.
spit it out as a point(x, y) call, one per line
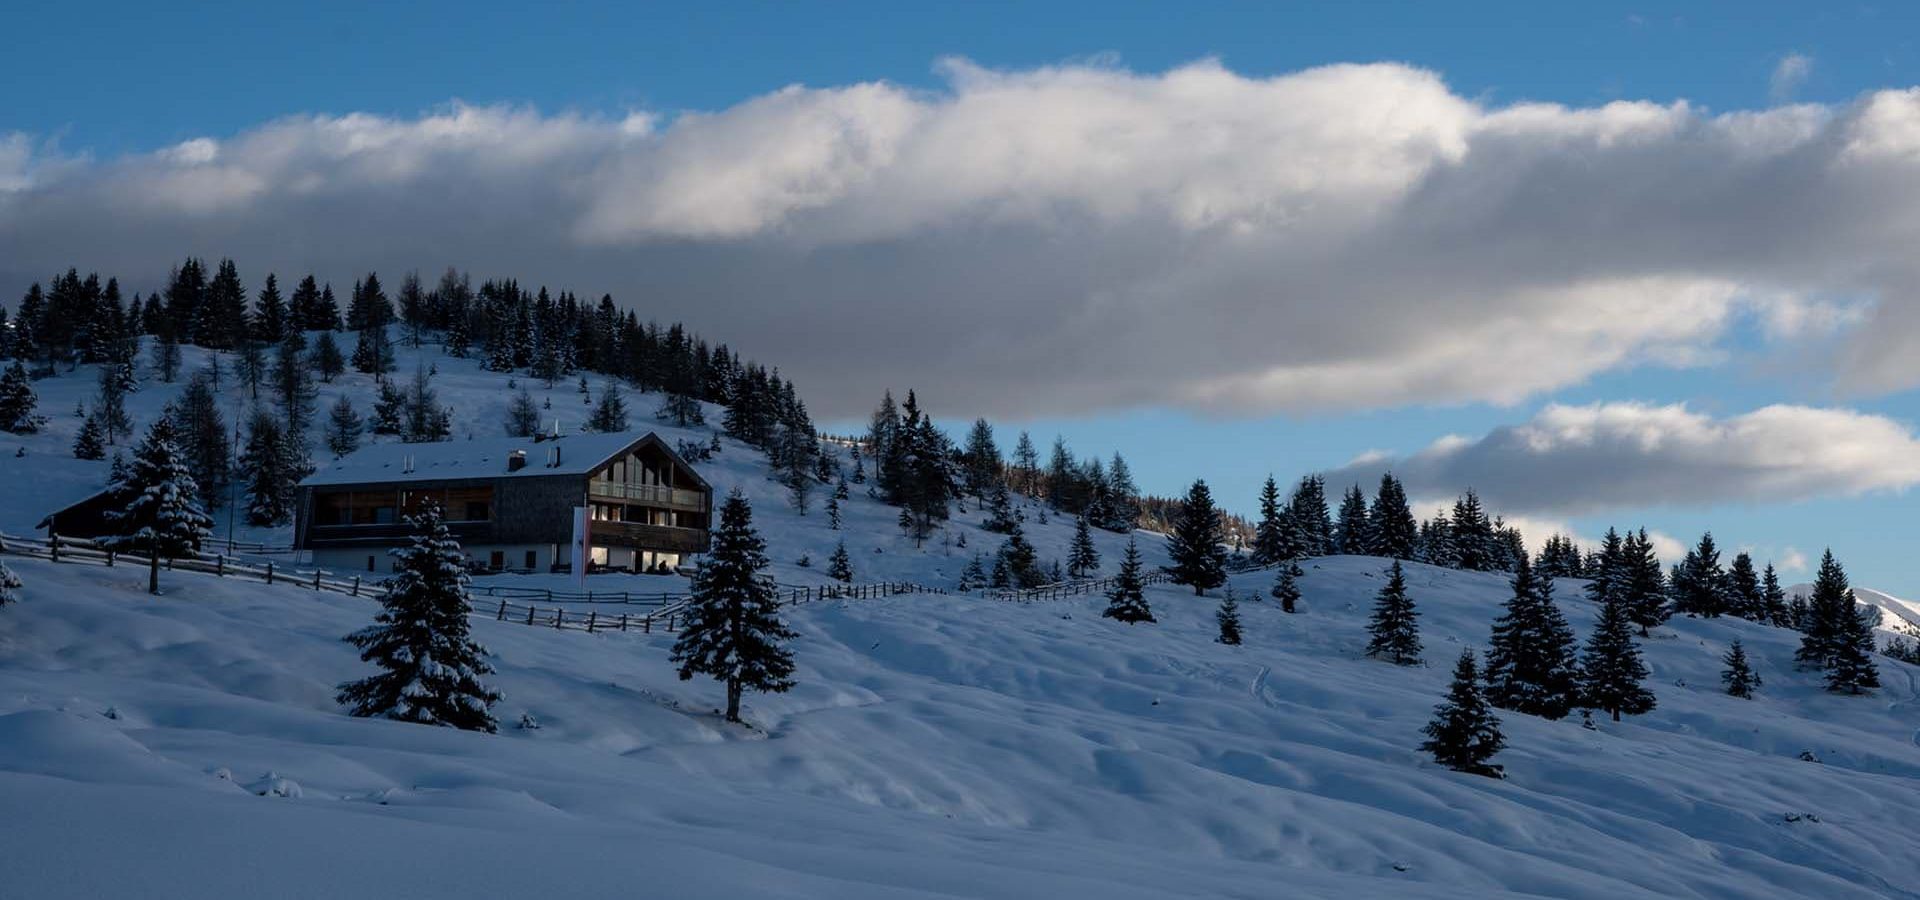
point(579, 454)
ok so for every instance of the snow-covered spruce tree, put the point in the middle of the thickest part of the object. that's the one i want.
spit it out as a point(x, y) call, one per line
point(1350, 524)
point(1773, 599)
point(1608, 580)
point(1126, 600)
point(1228, 617)
point(1743, 589)
point(431, 667)
point(681, 410)
point(201, 433)
point(610, 414)
point(1198, 559)
point(17, 402)
point(1312, 522)
point(1000, 516)
point(424, 419)
point(372, 351)
point(1837, 638)
point(983, 463)
point(1270, 534)
point(344, 427)
point(1646, 583)
point(1022, 563)
point(1611, 670)
point(1285, 587)
point(390, 409)
point(1474, 543)
point(162, 516)
point(110, 403)
point(839, 565)
point(1699, 585)
point(1739, 676)
point(833, 513)
point(1530, 665)
point(1395, 628)
point(90, 444)
point(733, 631)
point(1391, 529)
point(1083, 561)
point(973, 577)
point(270, 471)
point(10, 585)
point(1465, 733)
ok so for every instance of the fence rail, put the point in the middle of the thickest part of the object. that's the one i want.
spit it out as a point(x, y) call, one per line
point(1067, 589)
point(642, 612)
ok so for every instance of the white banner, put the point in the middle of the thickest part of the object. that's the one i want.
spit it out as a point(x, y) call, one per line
point(580, 533)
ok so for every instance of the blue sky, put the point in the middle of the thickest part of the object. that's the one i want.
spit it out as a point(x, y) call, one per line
point(98, 84)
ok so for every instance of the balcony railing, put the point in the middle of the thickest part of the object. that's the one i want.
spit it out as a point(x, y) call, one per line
point(649, 493)
point(650, 537)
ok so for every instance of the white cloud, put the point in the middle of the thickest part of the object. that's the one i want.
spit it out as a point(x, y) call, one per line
point(1788, 74)
point(1341, 237)
point(1575, 460)
point(1792, 560)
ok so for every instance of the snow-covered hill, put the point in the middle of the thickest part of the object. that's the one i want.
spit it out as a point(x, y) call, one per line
point(936, 746)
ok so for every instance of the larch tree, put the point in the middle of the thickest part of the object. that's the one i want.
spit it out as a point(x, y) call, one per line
point(1395, 628)
point(610, 413)
point(344, 427)
point(431, 667)
point(733, 632)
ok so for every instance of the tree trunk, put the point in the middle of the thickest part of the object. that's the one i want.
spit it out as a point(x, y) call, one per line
point(733, 700)
point(153, 571)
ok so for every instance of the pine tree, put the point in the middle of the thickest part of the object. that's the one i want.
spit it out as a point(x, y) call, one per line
point(292, 384)
point(1083, 561)
point(203, 438)
point(983, 460)
point(839, 565)
point(1198, 559)
point(833, 513)
point(162, 516)
point(1000, 516)
point(1646, 583)
point(1530, 666)
point(110, 404)
point(425, 420)
point(17, 402)
point(373, 351)
point(733, 631)
point(431, 667)
point(1285, 587)
point(523, 416)
point(1228, 617)
point(10, 586)
point(1465, 733)
point(1473, 539)
point(1312, 522)
point(1609, 578)
point(1853, 669)
point(89, 445)
point(1739, 677)
point(344, 427)
point(1391, 529)
point(1611, 669)
point(272, 322)
point(610, 414)
point(1126, 600)
point(1395, 627)
point(1350, 534)
point(390, 409)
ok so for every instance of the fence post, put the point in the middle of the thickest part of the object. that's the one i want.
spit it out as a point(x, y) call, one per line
point(623, 622)
point(356, 585)
point(269, 571)
point(220, 566)
point(109, 559)
point(502, 615)
point(53, 546)
point(529, 614)
point(646, 624)
point(316, 580)
point(592, 615)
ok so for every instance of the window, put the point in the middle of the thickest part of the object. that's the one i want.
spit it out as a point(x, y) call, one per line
point(332, 508)
point(369, 562)
point(471, 504)
point(497, 559)
point(532, 558)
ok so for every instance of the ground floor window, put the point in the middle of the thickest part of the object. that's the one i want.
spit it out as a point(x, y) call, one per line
point(497, 559)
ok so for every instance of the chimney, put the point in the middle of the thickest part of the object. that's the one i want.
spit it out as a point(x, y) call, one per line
point(516, 460)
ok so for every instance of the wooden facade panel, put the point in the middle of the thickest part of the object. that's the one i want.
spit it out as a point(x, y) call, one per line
point(649, 537)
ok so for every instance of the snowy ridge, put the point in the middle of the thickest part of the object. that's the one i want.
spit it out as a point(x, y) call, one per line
point(936, 745)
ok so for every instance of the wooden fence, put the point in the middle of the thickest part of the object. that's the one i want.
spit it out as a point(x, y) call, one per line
point(642, 612)
point(1067, 589)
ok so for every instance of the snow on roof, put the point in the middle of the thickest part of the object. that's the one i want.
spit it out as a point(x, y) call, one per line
point(478, 458)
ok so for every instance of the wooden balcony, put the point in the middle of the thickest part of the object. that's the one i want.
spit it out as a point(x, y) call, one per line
point(652, 494)
point(649, 537)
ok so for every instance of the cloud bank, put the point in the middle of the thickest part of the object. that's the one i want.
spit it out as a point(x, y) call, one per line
point(1075, 238)
point(1576, 460)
